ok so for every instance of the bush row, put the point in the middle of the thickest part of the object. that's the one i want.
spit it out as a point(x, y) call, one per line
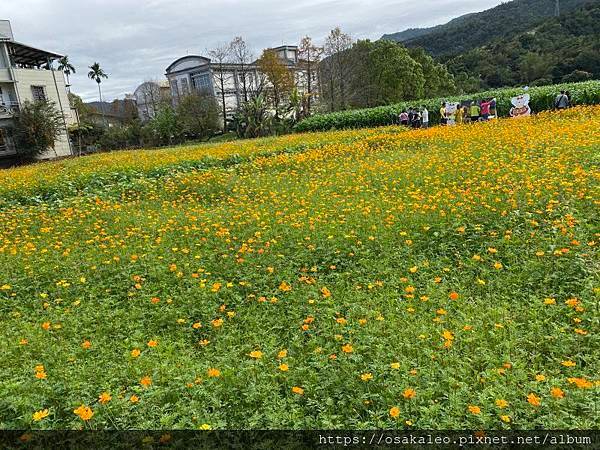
point(542, 98)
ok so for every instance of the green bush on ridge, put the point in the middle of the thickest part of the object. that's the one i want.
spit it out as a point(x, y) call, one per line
point(542, 99)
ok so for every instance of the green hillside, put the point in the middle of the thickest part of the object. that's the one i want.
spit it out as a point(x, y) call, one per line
point(481, 28)
point(557, 50)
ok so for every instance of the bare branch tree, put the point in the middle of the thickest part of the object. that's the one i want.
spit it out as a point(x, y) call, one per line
point(220, 57)
point(309, 56)
point(241, 55)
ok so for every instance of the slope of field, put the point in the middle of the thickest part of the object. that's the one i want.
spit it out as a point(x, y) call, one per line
point(437, 279)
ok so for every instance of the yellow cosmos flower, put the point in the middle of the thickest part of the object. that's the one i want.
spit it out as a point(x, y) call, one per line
point(84, 412)
point(41, 414)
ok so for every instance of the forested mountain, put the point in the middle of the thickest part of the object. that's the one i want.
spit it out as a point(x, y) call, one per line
point(565, 48)
point(474, 30)
point(413, 33)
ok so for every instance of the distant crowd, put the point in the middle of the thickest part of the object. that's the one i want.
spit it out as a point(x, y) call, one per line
point(471, 111)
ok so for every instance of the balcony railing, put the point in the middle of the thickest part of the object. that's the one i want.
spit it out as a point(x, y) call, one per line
point(9, 108)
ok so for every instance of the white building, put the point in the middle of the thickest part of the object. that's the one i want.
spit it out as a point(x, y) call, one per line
point(149, 96)
point(240, 81)
point(26, 74)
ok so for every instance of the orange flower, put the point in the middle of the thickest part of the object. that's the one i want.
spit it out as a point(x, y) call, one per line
point(152, 343)
point(86, 344)
point(146, 381)
point(284, 367)
point(214, 373)
point(104, 398)
point(285, 286)
point(557, 392)
point(282, 354)
point(41, 375)
point(196, 325)
point(326, 293)
point(217, 323)
point(568, 363)
point(135, 352)
point(134, 399)
point(473, 409)
point(453, 296)
point(46, 326)
point(347, 348)
point(85, 413)
point(394, 412)
point(409, 393)
point(298, 390)
point(534, 400)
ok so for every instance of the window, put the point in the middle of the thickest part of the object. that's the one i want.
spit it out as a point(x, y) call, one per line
point(202, 82)
point(3, 144)
point(184, 86)
point(174, 91)
point(38, 93)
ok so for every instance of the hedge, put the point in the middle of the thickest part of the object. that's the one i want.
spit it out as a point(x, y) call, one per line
point(542, 98)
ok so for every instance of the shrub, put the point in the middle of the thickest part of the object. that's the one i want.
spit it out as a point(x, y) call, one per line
point(37, 128)
point(542, 98)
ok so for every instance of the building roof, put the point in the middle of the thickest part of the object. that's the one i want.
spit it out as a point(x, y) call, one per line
point(29, 56)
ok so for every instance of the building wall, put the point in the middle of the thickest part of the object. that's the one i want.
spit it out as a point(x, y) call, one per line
point(26, 78)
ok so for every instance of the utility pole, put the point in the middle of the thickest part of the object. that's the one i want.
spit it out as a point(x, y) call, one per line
point(557, 8)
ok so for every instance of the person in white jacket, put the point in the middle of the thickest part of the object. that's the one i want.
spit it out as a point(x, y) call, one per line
point(425, 117)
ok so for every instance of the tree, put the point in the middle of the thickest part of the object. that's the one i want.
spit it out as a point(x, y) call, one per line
point(66, 67)
point(242, 56)
point(220, 55)
point(164, 128)
point(336, 49)
point(253, 119)
point(96, 73)
point(198, 115)
point(438, 81)
point(280, 78)
point(309, 56)
point(37, 127)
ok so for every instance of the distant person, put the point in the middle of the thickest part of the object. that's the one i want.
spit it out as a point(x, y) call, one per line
point(443, 117)
point(459, 115)
point(416, 122)
point(425, 117)
point(493, 108)
point(474, 111)
point(466, 116)
point(562, 101)
point(484, 111)
point(403, 118)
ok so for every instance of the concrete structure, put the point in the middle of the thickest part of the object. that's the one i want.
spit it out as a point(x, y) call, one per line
point(26, 74)
point(149, 96)
point(194, 72)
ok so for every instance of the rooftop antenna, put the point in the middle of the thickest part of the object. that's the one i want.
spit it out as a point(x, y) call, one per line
point(557, 8)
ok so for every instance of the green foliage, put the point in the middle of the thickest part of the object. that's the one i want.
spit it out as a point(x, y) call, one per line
point(198, 115)
point(163, 129)
point(542, 98)
point(380, 73)
point(475, 30)
point(253, 119)
point(564, 49)
point(37, 128)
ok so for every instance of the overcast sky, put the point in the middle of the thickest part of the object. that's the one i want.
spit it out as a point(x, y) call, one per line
point(135, 40)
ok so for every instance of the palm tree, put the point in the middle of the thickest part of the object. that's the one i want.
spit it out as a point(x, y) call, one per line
point(66, 67)
point(96, 73)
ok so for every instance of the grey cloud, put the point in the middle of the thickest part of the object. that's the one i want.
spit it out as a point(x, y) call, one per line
point(135, 40)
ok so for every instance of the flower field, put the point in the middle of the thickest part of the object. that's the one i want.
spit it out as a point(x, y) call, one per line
point(445, 278)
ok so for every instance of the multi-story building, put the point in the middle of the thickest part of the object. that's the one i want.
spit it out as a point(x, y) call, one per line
point(26, 74)
point(199, 73)
point(149, 96)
